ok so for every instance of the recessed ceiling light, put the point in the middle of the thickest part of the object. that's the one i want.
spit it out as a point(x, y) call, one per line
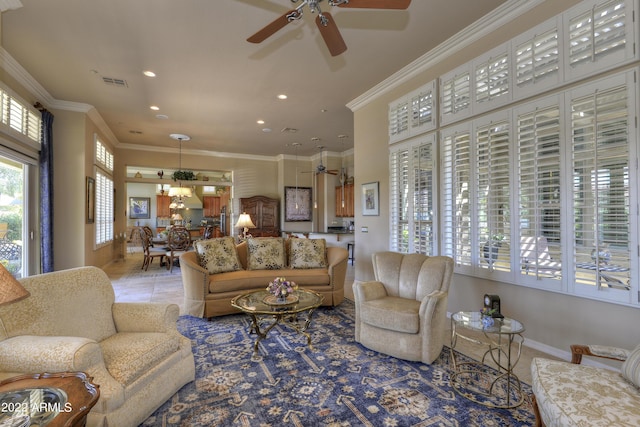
point(149, 73)
point(162, 116)
point(154, 107)
point(260, 122)
point(266, 130)
point(282, 96)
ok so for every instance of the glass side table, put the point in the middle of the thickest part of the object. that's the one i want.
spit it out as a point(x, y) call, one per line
point(477, 381)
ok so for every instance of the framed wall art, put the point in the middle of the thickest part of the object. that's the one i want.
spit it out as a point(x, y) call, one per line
point(91, 200)
point(139, 207)
point(371, 199)
point(297, 204)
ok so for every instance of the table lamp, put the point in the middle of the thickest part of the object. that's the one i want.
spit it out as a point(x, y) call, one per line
point(10, 289)
point(244, 222)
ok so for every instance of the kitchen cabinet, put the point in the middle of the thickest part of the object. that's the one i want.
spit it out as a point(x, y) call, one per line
point(264, 213)
point(348, 210)
point(210, 206)
point(162, 206)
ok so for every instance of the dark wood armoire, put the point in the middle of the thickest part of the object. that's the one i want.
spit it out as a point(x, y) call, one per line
point(264, 213)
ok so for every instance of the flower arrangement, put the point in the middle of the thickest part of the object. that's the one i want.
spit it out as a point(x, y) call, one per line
point(485, 312)
point(281, 287)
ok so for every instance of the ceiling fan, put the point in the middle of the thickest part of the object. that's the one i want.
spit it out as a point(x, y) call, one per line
point(324, 20)
point(322, 169)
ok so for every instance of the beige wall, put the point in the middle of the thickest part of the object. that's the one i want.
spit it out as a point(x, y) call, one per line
point(551, 319)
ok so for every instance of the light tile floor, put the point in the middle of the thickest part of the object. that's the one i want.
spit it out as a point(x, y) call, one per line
point(131, 284)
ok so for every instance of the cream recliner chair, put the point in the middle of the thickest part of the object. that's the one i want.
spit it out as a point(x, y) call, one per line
point(70, 322)
point(403, 313)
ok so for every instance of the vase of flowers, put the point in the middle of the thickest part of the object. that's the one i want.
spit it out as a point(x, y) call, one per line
point(487, 317)
point(281, 288)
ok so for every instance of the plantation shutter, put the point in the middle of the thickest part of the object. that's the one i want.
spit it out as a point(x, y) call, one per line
point(597, 35)
point(601, 187)
point(537, 59)
point(422, 109)
point(456, 97)
point(493, 192)
point(492, 79)
point(398, 120)
point(104, 208)
point(539, 193)
point(399, 195)
point(423, 169)
point(457, 216)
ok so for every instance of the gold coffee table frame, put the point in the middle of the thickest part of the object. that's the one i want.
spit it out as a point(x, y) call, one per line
point(499, 339)
point(253, 304)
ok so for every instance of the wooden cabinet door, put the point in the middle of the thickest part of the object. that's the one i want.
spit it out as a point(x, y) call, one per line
point(348, 209)
point(210, 205)
point(264, 213)
point(162, 206)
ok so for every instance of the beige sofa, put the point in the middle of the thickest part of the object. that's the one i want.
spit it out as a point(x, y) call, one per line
point(70, 322)
point(209, 294)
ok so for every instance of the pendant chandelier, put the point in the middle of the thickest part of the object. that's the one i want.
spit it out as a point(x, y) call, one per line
point(179, 192)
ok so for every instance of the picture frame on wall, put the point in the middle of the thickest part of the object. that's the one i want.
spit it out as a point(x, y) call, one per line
point(371, 198)
point(91, 200)
point(139, 207)
point(297, 204)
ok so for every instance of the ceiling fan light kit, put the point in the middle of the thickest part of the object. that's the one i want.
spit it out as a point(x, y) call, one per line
point(324, 21)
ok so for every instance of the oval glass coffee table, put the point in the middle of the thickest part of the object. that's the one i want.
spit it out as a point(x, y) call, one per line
point(266, 313)
point(478, 381)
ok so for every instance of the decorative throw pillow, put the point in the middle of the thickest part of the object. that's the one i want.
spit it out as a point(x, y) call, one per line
point(631, 367)
point(218, 255)
point(308, 253)
point(265, 253)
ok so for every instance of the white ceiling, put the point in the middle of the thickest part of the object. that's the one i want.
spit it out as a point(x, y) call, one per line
point(211, 83)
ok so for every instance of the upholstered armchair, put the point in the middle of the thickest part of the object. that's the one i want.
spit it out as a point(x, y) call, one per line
point(70, 322)
point(403, 313)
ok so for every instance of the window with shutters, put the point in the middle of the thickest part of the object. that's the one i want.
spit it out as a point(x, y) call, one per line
point(455, 93)
point(600, 34)
point(493, 192)
point(423, 200)
point(537, 59)
point(491, 80)
point(601, 179)
point(412, 196)
point(19, 116)
point(104, 194)
point(398, 120)
point(457, 191)
point(538, 134)
point(399, 196)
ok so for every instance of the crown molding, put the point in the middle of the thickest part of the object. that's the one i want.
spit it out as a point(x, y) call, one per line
point(471, 34)
point(208, 153)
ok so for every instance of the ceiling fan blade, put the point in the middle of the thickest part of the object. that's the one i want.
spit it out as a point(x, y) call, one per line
point(331, 34)
point(377, 4)
point(273, 27)
point(332, 172)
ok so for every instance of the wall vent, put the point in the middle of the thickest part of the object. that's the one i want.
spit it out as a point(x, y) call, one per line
point(111, 81)
point(289, 130)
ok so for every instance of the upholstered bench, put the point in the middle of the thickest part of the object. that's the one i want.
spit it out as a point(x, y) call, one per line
point(571, 394)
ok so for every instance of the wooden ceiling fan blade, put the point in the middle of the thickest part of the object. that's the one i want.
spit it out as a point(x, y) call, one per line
point(331, 34)
point(273, 27)
point(377, 4)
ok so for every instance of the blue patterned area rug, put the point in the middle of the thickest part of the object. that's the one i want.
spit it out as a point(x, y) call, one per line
point(339, 383)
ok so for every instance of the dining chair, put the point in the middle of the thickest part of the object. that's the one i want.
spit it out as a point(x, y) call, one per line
point(149, 251)
point(178, 242)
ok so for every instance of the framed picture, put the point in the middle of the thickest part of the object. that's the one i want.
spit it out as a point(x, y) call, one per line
point(370, 199)
point(91, 200)
point(139, 207)
point(297, 204)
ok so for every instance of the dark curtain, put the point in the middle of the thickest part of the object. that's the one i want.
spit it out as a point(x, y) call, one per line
point(46, 191)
